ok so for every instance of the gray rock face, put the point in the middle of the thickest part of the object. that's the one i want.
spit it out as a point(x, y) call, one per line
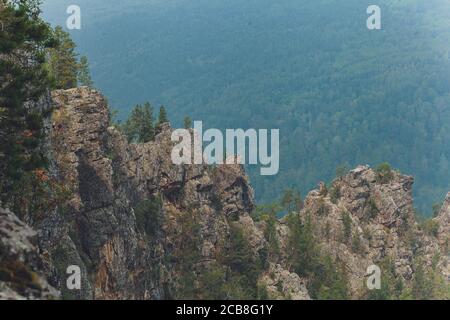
point(113, 228)
point(131, 213)
point(21, 272)
point(284, 285)
point(443, 220)
point(380, 225)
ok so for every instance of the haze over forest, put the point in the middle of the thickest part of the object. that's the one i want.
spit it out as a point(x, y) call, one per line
point(340, 93)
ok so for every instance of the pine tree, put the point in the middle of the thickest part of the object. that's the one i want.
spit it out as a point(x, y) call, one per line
point(25, 40)
point(63, 64)
point(298, 201)
point(302, 246)
point(83, 75)
point(139, 126)
point(287, 200)
point(187, 122)
point(131, 126)
point(162, 116)
point(243, 265)
point(147, 132)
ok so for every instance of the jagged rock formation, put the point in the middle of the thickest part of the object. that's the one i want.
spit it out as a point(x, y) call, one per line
point(130, 204)
point(140, 227)
point(284, 285)
point(21, 274)
point(443, 220)
point(364, 219)
point(443, 234)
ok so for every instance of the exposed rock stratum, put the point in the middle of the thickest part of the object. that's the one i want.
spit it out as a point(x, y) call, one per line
point(129, 222)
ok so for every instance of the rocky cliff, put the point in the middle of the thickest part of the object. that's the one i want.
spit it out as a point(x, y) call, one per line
point(134, 217)
point(21, 268)
point(140, 227)
point(367, 218)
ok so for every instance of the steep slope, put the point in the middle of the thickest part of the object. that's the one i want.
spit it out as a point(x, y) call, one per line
point(21, 267)
point(367, 218)
point(340, 93)
point(139, 226)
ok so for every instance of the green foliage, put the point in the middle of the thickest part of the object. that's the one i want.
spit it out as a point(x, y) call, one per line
point(422, 288)
point(357, 244)
point(287, 200)
point(263, 294)
point(328, 279)
point(341, 97)
point(346, 226)
point(63, 63)
point(323, 209)
point(64, 68)
point(428, 283)
point(291, 200)
point(384, 173)
point(113, 118)
point(268, 214)
point(36, 193)
point(212, 283)
point(327, 230)
point(392, 287)
point(430, 227)
point(162, 118)
point(25, 38)
point(139, 127)
point(367, 234)
point(233, 276)
point(187, 122)
point(83, 73)
point(244, 267)
point(330, 282)
point(216, 202)
point(298, 202)
point(187, 254)
point(270, 233)
point(341, 171)
point(436, 209)
point(372, 210)
point(148, 216)
point(302, 250)
point(335, 194)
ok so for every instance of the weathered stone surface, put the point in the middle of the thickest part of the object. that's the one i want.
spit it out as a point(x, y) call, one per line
point(443, 219)
point(21, 274)
point(130, 207)
point(382, 225)
point(281, 284)
point(110, 179)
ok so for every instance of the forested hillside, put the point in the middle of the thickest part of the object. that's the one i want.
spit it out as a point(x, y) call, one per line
point(81, 193)
point(340, 94)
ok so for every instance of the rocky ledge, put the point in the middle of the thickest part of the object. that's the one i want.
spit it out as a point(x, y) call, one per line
point(140, 227)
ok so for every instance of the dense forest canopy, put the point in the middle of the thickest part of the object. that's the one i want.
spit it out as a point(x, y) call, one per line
point(339, 93)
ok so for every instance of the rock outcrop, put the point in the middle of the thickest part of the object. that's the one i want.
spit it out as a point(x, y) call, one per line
point(281, 284)
point(443, 221)
point(130, 207)
point(140, 227)
point(21, 268)
point(365, 218)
